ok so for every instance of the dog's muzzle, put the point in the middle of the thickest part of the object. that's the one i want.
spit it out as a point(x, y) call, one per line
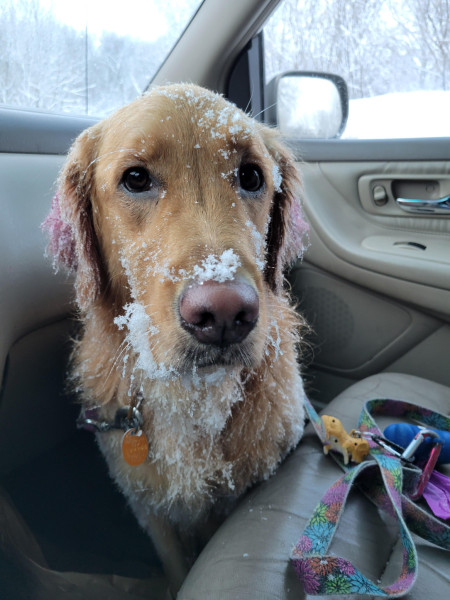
point(219, 314)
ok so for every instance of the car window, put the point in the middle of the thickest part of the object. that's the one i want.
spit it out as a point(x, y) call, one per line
point(393, 54)
point(84, 56)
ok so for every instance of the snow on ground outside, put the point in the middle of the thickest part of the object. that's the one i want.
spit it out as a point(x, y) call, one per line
point(400, 115)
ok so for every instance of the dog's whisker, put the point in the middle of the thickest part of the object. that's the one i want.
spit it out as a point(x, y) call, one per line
point(122, 349)
point(249, 102)
point(261, 112)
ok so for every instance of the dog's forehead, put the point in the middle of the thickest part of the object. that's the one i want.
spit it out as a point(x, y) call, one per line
point(208, 111)
point(183, 114)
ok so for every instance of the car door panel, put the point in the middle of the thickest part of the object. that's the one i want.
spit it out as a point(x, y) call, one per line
point(375, 301)
point(364, 331)
point(369, 241)
point(33, 297)
point(34, 132)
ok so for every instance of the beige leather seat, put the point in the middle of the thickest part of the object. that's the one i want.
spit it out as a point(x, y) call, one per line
point(248, 558)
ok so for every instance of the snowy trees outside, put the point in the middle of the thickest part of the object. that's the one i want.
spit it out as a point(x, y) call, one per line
point(382, 48)
point(47, 64)
point(393, 54)
point(377, 46)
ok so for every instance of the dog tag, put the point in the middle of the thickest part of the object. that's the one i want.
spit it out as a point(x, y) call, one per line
point(134, 447)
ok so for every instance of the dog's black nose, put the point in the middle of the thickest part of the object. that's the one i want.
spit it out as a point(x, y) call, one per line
point(219, 313)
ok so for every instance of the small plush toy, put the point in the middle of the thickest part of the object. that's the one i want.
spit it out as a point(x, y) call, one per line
point(349, 445)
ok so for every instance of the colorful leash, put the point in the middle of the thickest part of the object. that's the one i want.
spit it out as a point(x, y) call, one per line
point(323, 573)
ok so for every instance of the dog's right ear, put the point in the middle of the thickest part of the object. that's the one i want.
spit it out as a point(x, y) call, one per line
point(73, 241)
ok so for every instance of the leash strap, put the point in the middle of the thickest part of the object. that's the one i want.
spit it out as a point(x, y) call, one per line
point(386, 481)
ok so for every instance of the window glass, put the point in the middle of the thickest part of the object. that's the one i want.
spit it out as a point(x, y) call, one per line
point(84, 56)
point(393, 54)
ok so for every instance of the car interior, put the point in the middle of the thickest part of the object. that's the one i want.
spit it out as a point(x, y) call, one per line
point(373, 284)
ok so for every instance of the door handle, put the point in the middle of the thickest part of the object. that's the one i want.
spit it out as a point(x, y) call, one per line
point(440, 206)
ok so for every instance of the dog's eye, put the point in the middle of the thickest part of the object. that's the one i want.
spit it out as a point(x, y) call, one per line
point(251, 178)
point(137, 180)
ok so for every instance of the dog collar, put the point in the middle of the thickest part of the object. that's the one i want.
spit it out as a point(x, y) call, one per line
point(126, 417)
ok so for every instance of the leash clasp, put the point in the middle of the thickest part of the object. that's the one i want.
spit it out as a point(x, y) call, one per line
point(428, 467)
point(407, 454)
point(411, 449)
point(384, 443)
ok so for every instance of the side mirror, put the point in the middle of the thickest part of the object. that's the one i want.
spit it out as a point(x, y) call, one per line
point(308, 105)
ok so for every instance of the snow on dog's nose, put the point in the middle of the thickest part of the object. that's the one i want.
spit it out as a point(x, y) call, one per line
point(219, 313)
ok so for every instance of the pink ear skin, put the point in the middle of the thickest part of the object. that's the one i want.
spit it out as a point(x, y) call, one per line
point(287, 237)
point(61, 243)
point(73, 242)
point(299, 231)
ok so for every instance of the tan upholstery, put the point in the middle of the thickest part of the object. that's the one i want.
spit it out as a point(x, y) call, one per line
point(249, 555)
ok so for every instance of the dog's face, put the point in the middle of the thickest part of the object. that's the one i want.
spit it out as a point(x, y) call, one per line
point(182, 212)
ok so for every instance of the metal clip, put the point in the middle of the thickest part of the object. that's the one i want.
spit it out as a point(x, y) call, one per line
point(431, 461)
point(128, 419)
point(381, 441)
point(410, 450)
point(88, 420)
point(91, 424)
point(125, 418)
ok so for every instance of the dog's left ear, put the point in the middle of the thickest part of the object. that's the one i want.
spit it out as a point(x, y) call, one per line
point(288, 229)
point(73, 242)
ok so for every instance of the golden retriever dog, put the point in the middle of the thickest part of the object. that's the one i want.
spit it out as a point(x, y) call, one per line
point(179, 215)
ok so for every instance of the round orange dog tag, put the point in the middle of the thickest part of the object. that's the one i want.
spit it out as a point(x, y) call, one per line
point(134, 447)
